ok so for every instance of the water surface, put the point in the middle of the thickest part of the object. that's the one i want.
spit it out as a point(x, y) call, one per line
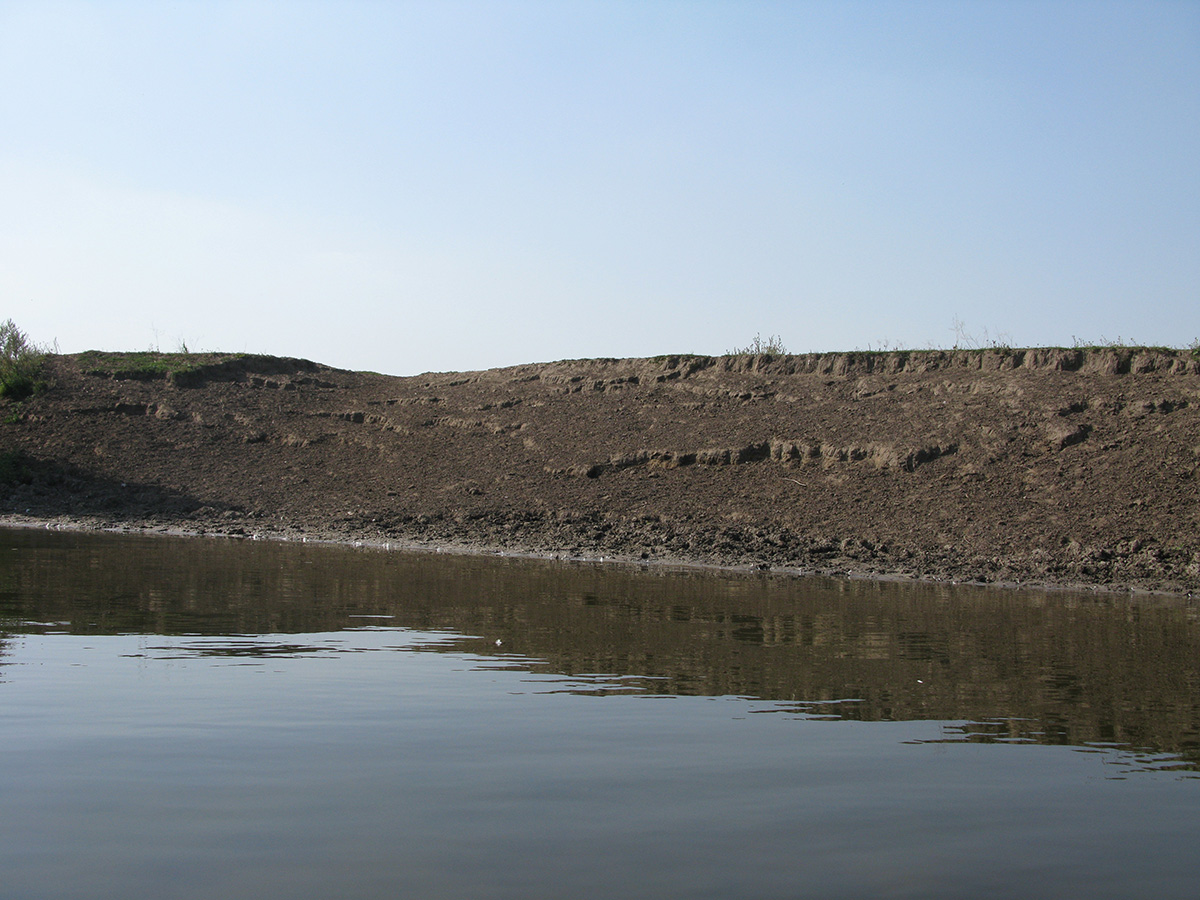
point(199, 718)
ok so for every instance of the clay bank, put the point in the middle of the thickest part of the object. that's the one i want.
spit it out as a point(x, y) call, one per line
point(1071, 467)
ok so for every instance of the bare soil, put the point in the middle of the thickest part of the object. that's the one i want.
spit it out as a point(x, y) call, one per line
point(1057, 467)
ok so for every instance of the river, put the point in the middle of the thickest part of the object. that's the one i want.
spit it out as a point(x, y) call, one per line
point(193, 718)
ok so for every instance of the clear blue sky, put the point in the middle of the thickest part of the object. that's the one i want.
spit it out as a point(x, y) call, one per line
point(414, 186)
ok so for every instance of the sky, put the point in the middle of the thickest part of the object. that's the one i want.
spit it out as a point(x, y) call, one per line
point(405, 187)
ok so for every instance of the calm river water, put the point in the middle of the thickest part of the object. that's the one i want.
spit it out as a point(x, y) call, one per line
point(187, 718)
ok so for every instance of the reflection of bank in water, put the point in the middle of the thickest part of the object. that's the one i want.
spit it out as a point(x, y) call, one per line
point(1013, 666)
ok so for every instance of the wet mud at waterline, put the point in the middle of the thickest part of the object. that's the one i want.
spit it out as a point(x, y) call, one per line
point(1053, 467)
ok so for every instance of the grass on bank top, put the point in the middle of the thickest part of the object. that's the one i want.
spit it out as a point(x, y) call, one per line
point(147, 365)
point(760, 346)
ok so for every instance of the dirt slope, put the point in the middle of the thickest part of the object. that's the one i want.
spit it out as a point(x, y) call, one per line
point(1053, 466)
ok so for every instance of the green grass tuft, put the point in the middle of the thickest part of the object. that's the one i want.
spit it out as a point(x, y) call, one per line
point(147, 365)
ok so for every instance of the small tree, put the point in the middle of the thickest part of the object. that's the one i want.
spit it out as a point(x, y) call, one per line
point(20, 362)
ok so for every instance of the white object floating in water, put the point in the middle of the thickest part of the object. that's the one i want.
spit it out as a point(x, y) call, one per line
point(498, 642)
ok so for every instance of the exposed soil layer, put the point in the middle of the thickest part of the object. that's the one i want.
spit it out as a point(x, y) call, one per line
point(1063, 467)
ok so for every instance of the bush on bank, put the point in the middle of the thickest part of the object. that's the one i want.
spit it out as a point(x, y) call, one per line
point(20, 362)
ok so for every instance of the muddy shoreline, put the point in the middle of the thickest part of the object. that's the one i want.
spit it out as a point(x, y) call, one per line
point(184, 529)
point(1049, 468)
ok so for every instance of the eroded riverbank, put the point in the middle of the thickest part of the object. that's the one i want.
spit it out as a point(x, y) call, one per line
point(1073, 468)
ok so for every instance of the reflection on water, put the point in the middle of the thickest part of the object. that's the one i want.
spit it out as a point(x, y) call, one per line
point(321, 721)
point(1028, 666)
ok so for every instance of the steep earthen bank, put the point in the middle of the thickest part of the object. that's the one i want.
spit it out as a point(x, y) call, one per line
point(1055, 466)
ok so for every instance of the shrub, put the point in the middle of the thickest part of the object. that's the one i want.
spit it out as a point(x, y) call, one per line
point(20, 362)
point(772, 346)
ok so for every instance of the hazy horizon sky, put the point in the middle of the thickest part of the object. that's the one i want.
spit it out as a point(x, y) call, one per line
point(415, 186)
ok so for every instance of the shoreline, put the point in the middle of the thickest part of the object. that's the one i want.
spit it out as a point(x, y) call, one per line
point(327, 538)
